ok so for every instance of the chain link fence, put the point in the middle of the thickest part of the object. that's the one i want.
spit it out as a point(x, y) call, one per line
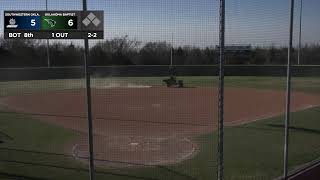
point(154, 93)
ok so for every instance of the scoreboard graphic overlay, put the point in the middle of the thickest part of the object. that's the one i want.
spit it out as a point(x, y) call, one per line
point(53, 24)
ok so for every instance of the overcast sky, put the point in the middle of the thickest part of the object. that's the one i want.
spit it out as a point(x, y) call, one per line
point(192, 22)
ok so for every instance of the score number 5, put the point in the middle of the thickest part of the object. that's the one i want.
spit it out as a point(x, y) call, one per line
point(33, 22)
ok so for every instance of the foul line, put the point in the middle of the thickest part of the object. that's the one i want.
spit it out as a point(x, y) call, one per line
point(246, 121)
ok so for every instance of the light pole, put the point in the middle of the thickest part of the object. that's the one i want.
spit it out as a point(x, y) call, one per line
point(299, 49)
point(171, 52)
point(48, 51)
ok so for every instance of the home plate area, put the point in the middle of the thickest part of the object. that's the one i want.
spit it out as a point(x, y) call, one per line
point(125, 151)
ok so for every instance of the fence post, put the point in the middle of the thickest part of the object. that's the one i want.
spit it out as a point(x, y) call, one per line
point(288, 96)
point(221, 92)
point(89, 110)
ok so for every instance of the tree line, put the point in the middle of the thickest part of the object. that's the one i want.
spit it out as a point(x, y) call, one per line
point(125, 51)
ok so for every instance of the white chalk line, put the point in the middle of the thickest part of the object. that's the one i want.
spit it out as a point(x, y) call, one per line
point(76, 151)
point(264, 117)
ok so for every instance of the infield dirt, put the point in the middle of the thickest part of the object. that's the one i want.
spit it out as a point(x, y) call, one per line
point(150, 126)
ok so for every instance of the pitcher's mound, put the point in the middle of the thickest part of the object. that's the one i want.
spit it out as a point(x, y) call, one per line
point(123, 151)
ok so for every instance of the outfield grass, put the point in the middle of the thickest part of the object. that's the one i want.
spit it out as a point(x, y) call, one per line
point(304, 84)
point(252, 151)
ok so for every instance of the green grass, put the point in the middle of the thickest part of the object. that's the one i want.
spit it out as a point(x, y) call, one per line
point(25, 87)
point(26, 137)
point(304, 84)
point(259, 145)
point(252, 151)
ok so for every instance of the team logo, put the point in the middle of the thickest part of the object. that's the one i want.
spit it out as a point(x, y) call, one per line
point(51, 22)
point(12, 23)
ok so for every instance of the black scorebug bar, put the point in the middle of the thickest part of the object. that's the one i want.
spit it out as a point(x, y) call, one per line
point(53, 24)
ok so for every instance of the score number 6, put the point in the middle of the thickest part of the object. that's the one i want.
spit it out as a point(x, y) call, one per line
point(70, 22)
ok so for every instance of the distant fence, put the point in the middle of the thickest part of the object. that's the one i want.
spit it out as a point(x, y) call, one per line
point(13, 74)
